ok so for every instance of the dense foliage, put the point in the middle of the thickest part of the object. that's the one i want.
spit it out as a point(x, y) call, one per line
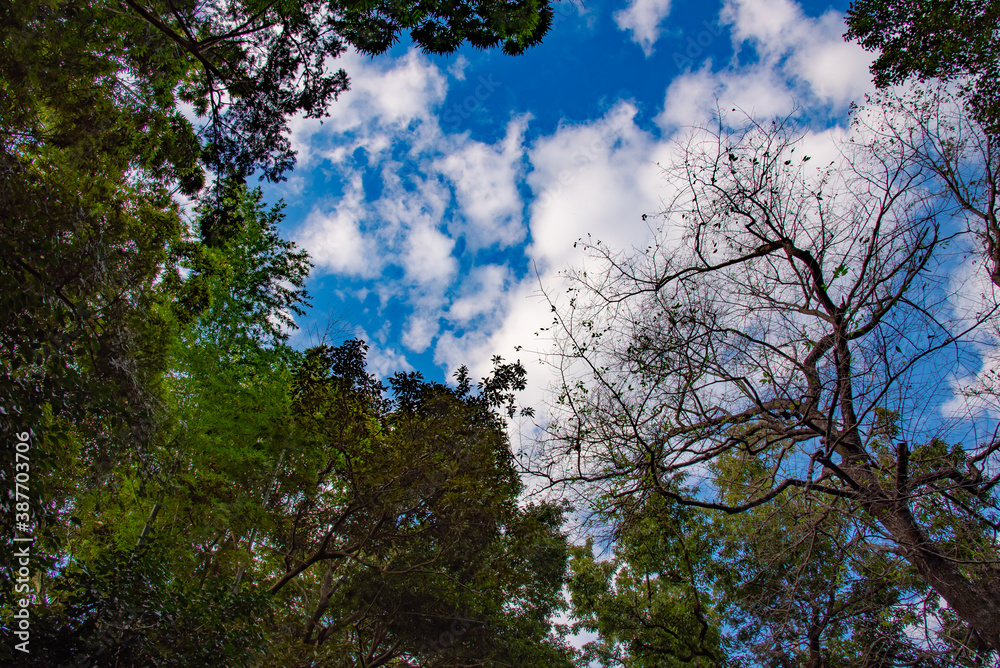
point(288, 512)
point(749, 409)
point(182, 456)
point(951, 40)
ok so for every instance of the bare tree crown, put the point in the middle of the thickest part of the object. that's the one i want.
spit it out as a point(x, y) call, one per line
point(807, 318)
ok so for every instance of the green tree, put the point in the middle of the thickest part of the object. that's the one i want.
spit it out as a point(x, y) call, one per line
point(100, 271)
point(295, 511)
point(149, 552)
point(396, 524)
point(788, 583)
point(87, 322)
point(650, 603)
point(245, 67)
point(951, 40)
point(798, 584)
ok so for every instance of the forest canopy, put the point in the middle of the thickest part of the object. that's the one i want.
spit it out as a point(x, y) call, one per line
point(202, 493)
point(773, 430)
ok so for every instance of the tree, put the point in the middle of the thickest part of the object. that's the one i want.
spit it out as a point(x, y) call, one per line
point(99, 271)
point(797, 583)
point(782, 312)
point(950, 145)
point(427, 555)
point(649, 603)
point(87, 325)
point(788, 583)
point(245, 67)
point(951, 40)
point(94, 144)
point(139, 554)
point(396, 532)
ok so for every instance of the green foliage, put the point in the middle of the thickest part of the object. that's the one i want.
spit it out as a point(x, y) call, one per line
point(86, 326)
point(649, 604)
point(790, 583)
point(405, 508)
point(798, 586)
point(953, 40)
point(129, 607)
point(147, 360)
point(797, 581)
point(244, 67)
point(398, 519)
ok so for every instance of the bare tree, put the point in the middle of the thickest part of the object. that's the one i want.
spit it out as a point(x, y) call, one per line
point(933, 128)
point(810, 317)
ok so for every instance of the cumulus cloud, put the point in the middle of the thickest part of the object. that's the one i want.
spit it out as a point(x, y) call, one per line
point(427, 258)
point(976, 384)
point(410, 191)
point(522, 313)
point(382, 360)
point(810, 52)
point(596, 178)
point(800, 61)
point(427, 200)
point(642, 18)
point(420, 331)
point(385, 96)
point(485, 180)
point(335, 239)
point(695, 98)
point(481, 295)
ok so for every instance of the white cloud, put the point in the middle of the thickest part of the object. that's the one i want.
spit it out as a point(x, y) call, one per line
point(597, 178)
point(481, 295)
point(420, 332)
point(810, 52)
point(335, 239)
point(388, 92)
point(837, 71)
point(485, 181)
point(523, 313)
point(692, 98)
point(382, 361)
point(801, 62)
point(971, 294)
point(642, 18)
point(457, 68)
point(770, 24)
point(427, 258)
point(385, 96)
point(594, 178)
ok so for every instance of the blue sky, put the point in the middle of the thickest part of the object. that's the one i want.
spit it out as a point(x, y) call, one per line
point(441, 193)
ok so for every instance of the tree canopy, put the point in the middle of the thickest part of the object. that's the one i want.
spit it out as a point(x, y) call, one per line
point(243, 68)
point(290, 507)
point(184, 456)
point(763, 356)
point(755, 410)
point(951, 40)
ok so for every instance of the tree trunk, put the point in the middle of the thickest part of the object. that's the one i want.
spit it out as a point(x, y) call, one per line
point(977, 602)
